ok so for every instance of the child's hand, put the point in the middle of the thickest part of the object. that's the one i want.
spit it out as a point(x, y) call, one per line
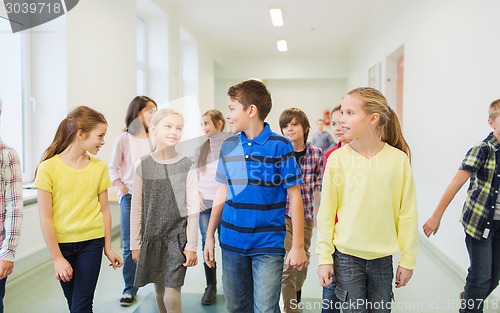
point(403, 276)
point(124, 189)
point(191, 258)
point(63, 269)
point(135, 255)
point(116, 261)
point(6, 268)
point(296, 258)
point(325, 272)
point(209, 254)
point(431, 226)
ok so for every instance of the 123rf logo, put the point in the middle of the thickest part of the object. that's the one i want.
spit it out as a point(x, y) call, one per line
point(25, 14)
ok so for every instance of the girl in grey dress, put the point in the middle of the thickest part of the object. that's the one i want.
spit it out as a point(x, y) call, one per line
point(164, 215)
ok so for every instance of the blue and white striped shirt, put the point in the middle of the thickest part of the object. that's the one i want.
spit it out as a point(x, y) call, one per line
point(257, 172)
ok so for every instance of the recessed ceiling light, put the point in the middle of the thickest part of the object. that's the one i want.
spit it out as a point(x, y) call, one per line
point(282, 46)
point(276, 17)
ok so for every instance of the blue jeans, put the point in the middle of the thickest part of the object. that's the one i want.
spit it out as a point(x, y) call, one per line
point(85, 258)
point(363, 285)
point(204, 219)
point(484, 269)
point(252, 283)
point(129, 265)
point(2, 292)
point(330, 303)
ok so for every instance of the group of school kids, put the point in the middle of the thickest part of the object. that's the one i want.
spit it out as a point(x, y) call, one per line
point(262, 208)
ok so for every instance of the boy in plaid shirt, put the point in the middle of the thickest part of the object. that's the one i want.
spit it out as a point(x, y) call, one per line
point(480, 215)
point(11, 204)
point(295, 126)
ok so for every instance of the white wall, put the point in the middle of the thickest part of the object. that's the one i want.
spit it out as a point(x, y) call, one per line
point(451, 77)
point(311, 84)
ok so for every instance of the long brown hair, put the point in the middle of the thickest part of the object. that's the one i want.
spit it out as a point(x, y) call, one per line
point(390, 129)
point(132, 125)
point(215, 117)
point(82, 118)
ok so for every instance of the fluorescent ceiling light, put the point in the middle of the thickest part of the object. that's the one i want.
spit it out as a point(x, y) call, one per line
point(282, 45)
point(276, 17)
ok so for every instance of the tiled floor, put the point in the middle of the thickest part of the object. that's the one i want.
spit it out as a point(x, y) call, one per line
point(434, 288)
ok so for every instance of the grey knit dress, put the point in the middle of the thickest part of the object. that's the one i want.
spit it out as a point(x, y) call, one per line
point(164, 222)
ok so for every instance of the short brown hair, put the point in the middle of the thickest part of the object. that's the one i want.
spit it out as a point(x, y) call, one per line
point(254, 92)
point(338, 107)
point(494, 109)
point(289, 114)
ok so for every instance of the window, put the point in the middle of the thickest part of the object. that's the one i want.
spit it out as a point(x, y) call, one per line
point(14, 120)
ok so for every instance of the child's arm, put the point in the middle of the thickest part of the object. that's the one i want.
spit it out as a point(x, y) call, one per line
point(215, 217)
point(13, 215)
point(115, 260)
point(326, 224)
point(432, 225)
point(193, 211)
point(136, 214)
point(297, 255)
point(63, 269)
point(114, 167)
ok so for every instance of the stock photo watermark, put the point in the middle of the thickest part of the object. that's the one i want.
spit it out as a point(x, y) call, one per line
point(23, 14)
point(428, 306)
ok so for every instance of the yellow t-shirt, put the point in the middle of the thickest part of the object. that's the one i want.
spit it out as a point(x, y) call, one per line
point(76, 211)
point(375, 202)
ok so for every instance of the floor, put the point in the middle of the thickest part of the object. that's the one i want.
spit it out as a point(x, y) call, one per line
point(434, 288)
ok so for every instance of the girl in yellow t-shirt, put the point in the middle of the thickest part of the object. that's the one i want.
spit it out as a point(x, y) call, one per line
point(73, 205)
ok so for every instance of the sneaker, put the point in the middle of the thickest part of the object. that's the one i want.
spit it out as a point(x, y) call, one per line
point(127, 300)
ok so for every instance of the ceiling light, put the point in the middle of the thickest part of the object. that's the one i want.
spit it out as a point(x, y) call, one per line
point(282, 45)
point(276, 17)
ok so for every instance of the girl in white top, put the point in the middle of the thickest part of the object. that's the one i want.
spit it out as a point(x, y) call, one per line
point(130, 147)
point(206, 159)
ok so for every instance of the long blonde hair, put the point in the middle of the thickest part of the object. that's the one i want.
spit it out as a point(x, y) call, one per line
point(390, 128)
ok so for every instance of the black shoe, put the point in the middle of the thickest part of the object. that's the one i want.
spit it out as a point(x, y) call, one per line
point(126, 300)
point(211, 291)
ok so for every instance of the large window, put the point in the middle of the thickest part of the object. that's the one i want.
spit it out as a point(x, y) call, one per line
point(14, 122)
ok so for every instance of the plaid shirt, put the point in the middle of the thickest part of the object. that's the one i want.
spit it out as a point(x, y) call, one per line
point(479, 207)
point(312, 173)
point(11, 202)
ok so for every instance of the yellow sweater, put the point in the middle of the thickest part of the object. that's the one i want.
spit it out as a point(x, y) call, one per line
point(76, 212)
point(375, 202)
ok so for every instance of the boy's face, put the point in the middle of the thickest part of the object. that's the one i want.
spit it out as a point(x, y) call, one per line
point(320, 126)
point(237, 117)
point(294, 131)
point(495, 124)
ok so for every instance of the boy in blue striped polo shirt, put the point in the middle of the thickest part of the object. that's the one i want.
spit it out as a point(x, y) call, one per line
point(480, 215)
point(256, 172)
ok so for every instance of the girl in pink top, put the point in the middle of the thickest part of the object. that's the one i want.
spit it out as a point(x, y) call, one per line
point(206, 157)
point(129, 147)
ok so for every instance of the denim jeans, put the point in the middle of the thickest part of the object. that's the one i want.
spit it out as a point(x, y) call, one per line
point(330, 302)
point(484, 269)
point(204, 219)
point(252, 283)
point(2, 292)
point(129, 265)
point(363, 285)
point(85, 258)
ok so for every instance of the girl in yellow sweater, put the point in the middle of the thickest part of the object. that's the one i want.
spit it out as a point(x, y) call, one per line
point(73, 203)
point(368, 184)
